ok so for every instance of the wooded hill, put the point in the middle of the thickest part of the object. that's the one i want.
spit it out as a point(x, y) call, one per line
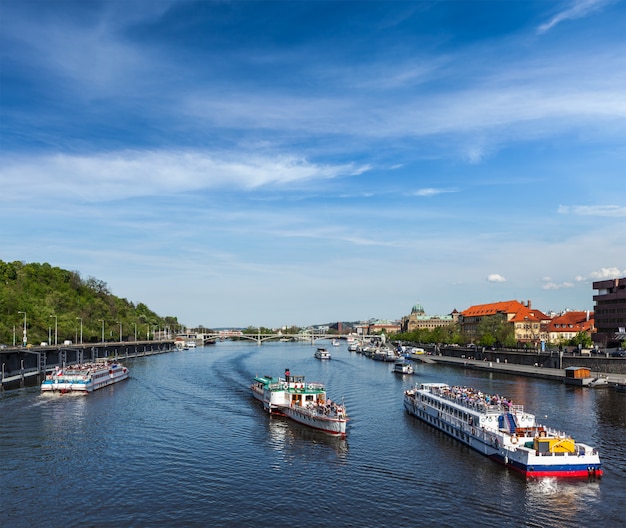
point(43, 291)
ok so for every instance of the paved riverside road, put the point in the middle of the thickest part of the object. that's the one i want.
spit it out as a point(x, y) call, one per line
point(512, 368)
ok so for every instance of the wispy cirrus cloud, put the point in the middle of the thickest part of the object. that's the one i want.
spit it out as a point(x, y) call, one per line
point(432, 191)
point(116, 175)
point(593, 210)
point(576, 9)
point(604, 273)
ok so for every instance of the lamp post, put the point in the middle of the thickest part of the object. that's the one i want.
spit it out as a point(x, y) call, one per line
point(56, 327)
point(102, 329)
point(135, 332)
point(81, 329)
point(25, 338)
point(118, 322)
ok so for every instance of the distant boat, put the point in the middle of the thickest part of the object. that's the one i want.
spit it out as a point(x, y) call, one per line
point(322, 353)
point(403, 366)
point(335, 342)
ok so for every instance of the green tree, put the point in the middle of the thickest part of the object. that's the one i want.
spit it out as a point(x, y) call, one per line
point(54, 297)
point(583, 339)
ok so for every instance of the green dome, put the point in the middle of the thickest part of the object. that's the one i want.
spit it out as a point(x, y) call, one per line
point(417, 309)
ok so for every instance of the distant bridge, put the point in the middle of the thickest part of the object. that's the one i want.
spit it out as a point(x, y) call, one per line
point(261, 338)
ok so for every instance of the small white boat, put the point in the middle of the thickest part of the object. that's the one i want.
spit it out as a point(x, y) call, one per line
point(403, 366)
point(84, 377)
point(598, 383)
point(305, 403)
point(335, 342)
point(322, 353)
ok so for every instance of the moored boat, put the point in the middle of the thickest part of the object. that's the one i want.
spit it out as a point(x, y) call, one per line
point(84, 377)
point(598, 382)
point(497, 428)
point(303, 402)
point(322, 353)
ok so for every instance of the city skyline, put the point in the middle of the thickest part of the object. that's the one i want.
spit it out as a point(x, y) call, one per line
point(277, 163)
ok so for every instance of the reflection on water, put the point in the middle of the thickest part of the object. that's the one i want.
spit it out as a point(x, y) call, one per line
point(285, 435)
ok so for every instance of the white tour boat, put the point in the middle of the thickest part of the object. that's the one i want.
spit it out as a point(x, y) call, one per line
point(502, 431)
point(303, 402)
point(84, 377)
point(322, 353)
point(403, 366)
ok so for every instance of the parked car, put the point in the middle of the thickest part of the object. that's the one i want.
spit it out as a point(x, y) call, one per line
point(618, 353)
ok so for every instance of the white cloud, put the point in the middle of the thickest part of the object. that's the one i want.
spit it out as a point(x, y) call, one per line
point(116, 175)
point(608, 273)
point(495, 277)
point(604, 273)
point(557, 286)
point(578, 9)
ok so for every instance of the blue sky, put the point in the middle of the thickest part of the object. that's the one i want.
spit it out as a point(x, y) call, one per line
point(303, 162)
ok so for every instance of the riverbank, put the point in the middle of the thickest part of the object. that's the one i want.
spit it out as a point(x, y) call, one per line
point(512, 368)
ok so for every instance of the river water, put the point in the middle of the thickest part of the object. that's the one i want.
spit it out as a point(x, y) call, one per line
point(182, 443)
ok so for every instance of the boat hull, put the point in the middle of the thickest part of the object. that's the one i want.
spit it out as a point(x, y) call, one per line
point(331, 426)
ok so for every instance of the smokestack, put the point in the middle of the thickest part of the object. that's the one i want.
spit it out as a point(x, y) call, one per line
point(528, 304)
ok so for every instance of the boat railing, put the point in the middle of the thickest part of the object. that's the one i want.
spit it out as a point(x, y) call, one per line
point(328, 411)
point(477, 403)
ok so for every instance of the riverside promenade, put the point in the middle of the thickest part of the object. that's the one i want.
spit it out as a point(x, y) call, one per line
point(21, 367)
point(554, 374)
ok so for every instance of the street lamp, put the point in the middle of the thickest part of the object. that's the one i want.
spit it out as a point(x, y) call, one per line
point(102, 329)
point(135, 332)
point(56, 326)
point(25, 338)
point(118, 322)
point(81, 329)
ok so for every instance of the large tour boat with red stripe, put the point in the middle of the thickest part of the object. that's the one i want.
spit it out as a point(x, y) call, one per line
point(302, 401)
point(501, 430)
point(84, 377)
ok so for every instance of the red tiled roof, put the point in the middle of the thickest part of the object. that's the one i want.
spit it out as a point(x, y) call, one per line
point(578, 321)
point(519, 311)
